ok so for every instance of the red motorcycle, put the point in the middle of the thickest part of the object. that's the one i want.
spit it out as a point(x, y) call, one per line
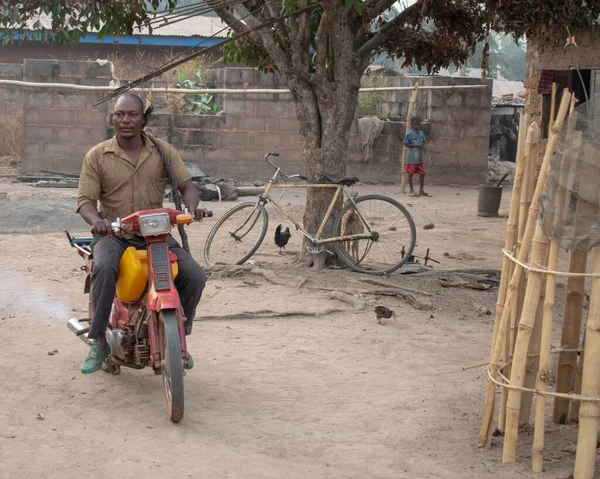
point(146, 326)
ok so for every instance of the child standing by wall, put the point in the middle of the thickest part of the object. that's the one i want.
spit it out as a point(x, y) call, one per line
point(414, 141)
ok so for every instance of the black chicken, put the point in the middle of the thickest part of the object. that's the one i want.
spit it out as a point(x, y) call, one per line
point(383, 312)
point(282, 237)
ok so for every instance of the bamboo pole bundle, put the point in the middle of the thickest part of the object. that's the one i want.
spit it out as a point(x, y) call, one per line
point(575, 404)
point(509, 242)
point(589, 412)
point(498, 346)
point(567, 377)
point(543, 376)
point(526, 135)
point(571, 333)
point(519, 366)
point(409, 114)
point(534, 285)
point(533, 357)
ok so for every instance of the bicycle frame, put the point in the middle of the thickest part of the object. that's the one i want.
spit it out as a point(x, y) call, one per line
point(317, 239)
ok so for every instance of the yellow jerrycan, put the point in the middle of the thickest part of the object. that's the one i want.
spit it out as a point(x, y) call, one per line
point(133, 274)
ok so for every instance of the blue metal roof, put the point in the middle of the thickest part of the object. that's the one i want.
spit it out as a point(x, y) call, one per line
point(153, 40)
point(148, 40)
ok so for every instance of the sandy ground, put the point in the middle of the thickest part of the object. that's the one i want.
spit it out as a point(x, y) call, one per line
point(328, 395)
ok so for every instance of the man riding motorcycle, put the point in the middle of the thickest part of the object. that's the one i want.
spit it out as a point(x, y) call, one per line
point(127, 174)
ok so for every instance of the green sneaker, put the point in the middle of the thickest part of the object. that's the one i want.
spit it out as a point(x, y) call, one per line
point(94, 360)
point(190, 362)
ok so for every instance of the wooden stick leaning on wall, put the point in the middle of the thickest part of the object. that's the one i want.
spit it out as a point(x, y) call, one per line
point(509, 238)
point(498, 345)
point(544, 376)
point(534, 349)
point(525, 138)
point(533, 356)
point(587, 438)
point(553, 105)
point(519, 366)
point(532, 298)
point(574, 297)
point(575, 405)
point(409, 115)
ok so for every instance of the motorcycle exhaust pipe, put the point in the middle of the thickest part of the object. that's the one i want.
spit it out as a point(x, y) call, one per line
point(80, 330)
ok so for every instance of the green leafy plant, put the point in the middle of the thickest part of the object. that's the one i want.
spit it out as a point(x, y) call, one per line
point(368, 102)
point(197, 103)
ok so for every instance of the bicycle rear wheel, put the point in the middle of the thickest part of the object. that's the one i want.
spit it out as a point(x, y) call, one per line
point(237, 235)
point(395, 234)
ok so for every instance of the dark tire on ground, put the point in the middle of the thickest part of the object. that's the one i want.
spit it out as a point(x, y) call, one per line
point(172, 363)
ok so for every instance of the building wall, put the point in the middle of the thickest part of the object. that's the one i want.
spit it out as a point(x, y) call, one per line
point(556, 57)
point(60, 126)
point(457, 123)
point(11, 97)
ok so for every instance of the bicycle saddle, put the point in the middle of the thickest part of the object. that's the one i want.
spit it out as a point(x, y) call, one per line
point(339, 180)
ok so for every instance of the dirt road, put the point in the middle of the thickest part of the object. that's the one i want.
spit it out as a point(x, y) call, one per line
point(332, 395)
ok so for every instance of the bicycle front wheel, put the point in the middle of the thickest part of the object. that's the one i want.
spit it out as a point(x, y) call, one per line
point(237, 235)
point(394, 234)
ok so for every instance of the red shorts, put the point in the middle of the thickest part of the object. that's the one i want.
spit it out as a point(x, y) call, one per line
point(416, 169)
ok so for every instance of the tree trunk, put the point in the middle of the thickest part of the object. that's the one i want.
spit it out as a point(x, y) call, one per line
point(325, 111)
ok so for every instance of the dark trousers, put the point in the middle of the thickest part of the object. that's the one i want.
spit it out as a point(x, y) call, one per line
point(107, 252)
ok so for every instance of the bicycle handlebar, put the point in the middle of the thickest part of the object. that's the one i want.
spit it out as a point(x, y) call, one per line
point(279, 170)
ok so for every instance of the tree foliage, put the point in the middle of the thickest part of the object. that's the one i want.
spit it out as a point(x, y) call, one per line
point(506, 57)
point(68, 21)
point(426, 33)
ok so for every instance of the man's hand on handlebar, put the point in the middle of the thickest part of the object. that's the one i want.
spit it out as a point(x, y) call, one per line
point(200, 213)
point(197, 212)
point(102, 227)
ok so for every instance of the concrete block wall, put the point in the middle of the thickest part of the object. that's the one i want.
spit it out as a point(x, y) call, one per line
point(233, 145)
point(11, 97)
point(60, 126)
point(457, 125)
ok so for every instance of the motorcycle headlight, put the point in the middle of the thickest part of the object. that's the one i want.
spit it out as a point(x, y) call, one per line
point(154, 225)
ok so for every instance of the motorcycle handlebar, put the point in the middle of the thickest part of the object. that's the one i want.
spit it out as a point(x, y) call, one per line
point(116, 225)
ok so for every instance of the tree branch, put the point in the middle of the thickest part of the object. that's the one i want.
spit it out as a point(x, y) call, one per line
point(267, 40)
point(236, 25)
point(321, 42)
point(299, 43)
point(366, 50)
point(374, 8)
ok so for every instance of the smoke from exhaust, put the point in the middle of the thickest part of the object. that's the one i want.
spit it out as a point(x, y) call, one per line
point(18, 297)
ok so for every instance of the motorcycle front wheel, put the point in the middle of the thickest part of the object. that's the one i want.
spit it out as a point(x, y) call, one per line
point(171, 363)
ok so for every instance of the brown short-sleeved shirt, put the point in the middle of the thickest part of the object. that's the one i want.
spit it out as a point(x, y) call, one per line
point(109, 177)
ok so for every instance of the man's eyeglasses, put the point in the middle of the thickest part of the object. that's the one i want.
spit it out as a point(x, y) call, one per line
point(120, 115)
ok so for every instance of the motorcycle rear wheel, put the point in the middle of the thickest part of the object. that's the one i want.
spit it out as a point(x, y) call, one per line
point(172, 363)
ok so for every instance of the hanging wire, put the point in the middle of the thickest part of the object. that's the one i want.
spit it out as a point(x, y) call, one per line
point(178, 9)
point(168, 19)
point(183, 58)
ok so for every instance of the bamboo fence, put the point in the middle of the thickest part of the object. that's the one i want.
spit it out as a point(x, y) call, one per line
point(522, 338)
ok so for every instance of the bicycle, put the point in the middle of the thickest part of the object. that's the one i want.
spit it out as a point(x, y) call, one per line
point(360, 229)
